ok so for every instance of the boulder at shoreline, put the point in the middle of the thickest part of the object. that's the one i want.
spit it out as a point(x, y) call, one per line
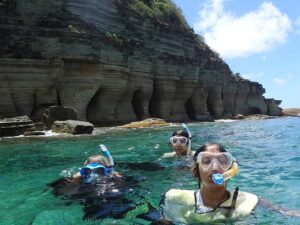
point(72, 127)
point(15, 126)
point(151, 122)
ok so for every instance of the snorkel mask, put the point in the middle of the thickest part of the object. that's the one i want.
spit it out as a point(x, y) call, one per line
point(223, 160)
point(94, 170)
point(178, 140)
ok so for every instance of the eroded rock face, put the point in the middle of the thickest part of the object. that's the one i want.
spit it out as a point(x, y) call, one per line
point(15, 126)
point(273, 107)
point(72, 127)
point(58, 113)
point(112, 66)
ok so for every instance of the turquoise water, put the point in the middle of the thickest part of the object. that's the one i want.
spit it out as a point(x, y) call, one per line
point(268, 153)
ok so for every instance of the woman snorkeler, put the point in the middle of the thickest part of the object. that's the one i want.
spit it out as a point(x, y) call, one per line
point(181, 142)
point(213, 166)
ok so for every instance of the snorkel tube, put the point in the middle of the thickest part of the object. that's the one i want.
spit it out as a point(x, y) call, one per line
point(107, 154)
point(219, 179)
point(185, 127)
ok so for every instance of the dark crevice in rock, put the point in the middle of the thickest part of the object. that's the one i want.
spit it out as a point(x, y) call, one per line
point(137, 104)
point(190, 109)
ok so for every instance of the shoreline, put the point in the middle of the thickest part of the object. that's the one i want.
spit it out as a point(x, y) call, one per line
point(295, 112)
point(49, 134)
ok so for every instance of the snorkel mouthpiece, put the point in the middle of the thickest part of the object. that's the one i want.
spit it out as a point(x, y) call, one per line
point(219, 179)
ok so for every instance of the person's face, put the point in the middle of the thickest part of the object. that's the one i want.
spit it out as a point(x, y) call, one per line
point(179, 144)
point(212, 162)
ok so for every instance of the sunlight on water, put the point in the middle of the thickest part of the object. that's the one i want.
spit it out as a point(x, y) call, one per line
point(268, 153)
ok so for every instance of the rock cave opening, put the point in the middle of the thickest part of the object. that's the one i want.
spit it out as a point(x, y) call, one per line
point(93, 108)
point(189, 108)
point(255, 110)
point(210, 103)
point(137, 104)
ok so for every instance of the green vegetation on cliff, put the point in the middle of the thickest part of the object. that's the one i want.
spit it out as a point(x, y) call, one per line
point(163, 11)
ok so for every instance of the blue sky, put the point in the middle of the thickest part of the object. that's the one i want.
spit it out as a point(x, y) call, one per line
point(258, 39)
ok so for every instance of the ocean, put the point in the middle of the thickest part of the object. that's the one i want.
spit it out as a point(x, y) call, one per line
point(267, 151)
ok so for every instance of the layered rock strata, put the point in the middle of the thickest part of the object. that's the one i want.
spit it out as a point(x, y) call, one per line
point(113, 66)
point(15, 126)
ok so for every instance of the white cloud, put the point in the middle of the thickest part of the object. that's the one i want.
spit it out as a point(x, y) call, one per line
point(279, 81)
point(232, 36)
point(297, 24)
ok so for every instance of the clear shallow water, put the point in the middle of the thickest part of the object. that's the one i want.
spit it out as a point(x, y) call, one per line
point(268, 153)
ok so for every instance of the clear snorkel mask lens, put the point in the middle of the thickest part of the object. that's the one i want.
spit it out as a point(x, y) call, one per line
point(178, 140)
point(210, 161)
point(223, 161)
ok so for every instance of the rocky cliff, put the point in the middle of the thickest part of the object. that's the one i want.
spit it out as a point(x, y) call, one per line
point(113, 64)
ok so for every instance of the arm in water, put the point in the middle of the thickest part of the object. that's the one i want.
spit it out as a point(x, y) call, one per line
point(284, 211)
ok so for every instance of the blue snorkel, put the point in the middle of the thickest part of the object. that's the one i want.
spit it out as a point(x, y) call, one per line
point(107, 154)
point(185, 127)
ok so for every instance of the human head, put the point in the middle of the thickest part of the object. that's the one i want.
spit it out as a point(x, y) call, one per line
point(98, 159)
point(179, 142)
point(94, 167)
point(205, 175)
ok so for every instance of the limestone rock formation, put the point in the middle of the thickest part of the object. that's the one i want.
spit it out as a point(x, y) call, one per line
point(273, 108)
point(15, 126)
point(58, 113)
point(113, 64)
point(72, 127)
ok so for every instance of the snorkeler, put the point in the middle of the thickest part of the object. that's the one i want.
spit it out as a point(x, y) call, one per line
point(181, 142)
point(100, 190)
point(213, 167)
point(97, 166)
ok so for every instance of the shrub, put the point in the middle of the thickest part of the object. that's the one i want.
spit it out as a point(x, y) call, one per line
point(161, 10)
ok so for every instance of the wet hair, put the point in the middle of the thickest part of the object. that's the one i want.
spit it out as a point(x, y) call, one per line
point(98, 159)
point(203, 148)
point(180, 133)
